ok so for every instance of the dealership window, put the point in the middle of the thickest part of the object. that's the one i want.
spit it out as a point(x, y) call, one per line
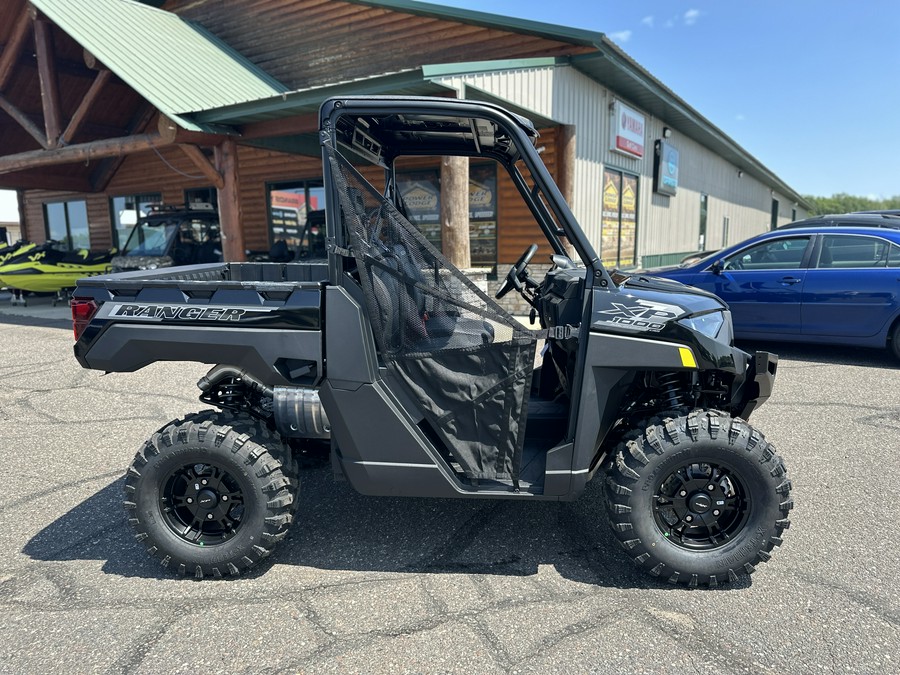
point(290, 204)
point(67, 223)
point(421, 192)
point(126, 210)
point(618, 243)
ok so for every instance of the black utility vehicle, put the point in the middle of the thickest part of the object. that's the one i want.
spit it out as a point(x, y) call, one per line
point(426, 387)
point(170, 236)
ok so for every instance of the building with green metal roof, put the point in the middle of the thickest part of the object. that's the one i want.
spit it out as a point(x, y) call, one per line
point(141, 101)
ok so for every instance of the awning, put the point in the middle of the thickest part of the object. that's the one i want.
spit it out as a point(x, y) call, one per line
point(176, 65)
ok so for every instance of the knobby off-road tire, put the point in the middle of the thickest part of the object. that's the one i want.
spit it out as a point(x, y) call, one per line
point(209, 495)
point(245, 423)
point(699, 498)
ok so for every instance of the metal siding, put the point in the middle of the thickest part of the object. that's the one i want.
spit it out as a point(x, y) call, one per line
point(665, 224)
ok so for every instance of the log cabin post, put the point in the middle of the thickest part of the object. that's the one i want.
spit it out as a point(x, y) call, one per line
point(83, 152)
point(90, 60)
point(24, 121)
point(229, 197)
point(565, 171)
point(455, 211)
point(43, 41)
point(197, 156)
point(565, 161)
point(85, 106)
point(10, 55)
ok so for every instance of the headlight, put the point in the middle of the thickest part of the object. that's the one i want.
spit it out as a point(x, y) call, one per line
point(707, 324)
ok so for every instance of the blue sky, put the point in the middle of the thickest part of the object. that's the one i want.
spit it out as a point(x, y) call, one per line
point(810, 88)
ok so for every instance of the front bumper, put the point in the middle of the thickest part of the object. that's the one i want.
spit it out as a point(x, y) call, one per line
point(756, 386)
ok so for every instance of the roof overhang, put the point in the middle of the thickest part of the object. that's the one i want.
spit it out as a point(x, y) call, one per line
point(575, 36)
point(615, 70)
point(305, 103)
point(410, 82)
point(174, 64)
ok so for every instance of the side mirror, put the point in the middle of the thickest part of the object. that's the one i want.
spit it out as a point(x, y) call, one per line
point(716, 267)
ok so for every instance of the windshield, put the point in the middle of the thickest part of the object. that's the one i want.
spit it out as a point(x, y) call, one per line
point(150, 238)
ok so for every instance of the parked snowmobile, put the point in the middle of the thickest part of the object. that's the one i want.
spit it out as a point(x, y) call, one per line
point(46, 269)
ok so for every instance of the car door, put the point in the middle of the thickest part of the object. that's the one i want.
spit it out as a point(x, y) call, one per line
point(762, 284)
point(853, 288)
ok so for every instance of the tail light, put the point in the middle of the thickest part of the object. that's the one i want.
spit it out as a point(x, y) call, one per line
point(82, 313)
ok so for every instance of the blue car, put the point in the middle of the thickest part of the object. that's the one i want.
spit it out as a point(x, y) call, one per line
point(836, 285)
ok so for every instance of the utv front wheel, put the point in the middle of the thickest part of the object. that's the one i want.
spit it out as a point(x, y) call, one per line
point(207, 499)
point(699, 498)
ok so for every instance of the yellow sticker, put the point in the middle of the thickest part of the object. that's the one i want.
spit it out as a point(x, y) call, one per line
point(687, 357)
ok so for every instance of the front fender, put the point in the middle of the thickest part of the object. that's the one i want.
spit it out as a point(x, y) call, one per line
point(756, 387)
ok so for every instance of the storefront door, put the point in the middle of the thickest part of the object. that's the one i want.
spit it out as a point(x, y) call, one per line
point(618, 246)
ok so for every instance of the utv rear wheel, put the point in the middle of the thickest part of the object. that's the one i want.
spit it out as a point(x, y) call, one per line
point(699, 498)
point(208, 499)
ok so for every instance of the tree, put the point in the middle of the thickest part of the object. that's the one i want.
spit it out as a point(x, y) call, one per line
point(844, 203)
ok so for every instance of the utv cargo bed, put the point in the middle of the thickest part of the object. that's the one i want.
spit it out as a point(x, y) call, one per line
point(264, 318)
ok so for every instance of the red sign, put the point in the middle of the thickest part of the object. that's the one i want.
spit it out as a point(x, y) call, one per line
point(627, 133)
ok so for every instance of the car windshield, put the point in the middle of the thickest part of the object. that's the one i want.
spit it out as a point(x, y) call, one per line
point(150, 238)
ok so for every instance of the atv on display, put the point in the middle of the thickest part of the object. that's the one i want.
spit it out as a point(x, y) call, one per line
point(171, 236)
point(426, 387)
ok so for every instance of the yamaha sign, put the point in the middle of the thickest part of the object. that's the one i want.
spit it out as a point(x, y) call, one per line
point(626, 131)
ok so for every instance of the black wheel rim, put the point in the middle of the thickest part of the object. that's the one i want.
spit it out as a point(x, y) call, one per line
point(202, 504)
point(701, 505)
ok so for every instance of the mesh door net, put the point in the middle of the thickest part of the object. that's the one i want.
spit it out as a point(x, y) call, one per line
point(465, 360)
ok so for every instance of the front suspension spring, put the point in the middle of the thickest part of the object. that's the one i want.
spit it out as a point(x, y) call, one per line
point(672, 391)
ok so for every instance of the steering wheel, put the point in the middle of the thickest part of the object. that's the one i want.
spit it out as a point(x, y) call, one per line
point(515, 278)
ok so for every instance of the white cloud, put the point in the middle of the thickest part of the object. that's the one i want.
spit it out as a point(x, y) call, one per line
point(647, 21)
point(621, 36)
point(691, 16)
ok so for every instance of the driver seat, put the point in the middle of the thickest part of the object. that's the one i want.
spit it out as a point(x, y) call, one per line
point(414, 320)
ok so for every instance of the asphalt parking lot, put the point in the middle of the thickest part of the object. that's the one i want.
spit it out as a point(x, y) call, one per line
point(382, 585)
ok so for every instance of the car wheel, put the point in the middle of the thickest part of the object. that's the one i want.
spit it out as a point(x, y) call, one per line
point(698, 499)
point(209, 499)
point(895, 341)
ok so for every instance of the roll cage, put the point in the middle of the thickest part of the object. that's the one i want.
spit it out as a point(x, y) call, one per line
point(380, 130)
